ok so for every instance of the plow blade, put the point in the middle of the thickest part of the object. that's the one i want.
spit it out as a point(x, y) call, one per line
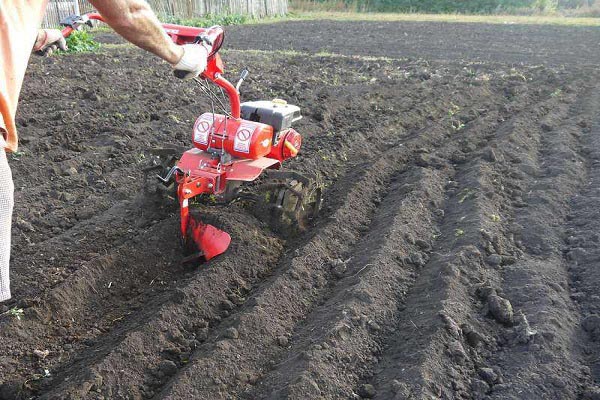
point(210, 241)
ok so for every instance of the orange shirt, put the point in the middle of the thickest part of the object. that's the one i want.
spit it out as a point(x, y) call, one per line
point(19, 22)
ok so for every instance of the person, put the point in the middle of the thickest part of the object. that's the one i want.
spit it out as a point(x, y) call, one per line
point(20, 36)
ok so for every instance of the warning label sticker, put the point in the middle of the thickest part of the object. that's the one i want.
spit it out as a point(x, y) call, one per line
point(202, 130)
point(243, 137)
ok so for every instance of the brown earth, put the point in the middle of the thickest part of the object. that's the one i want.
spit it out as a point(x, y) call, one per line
point(456, 255)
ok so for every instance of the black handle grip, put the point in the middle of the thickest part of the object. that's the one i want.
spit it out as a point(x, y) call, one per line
point(181, 74)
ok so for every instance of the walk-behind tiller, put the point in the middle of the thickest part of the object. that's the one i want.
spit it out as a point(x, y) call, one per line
point(247, 142)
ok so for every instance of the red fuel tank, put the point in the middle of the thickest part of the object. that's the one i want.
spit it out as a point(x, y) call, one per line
point(240, 138)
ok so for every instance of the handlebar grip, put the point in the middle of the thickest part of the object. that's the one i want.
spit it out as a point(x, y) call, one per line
point(181, 74)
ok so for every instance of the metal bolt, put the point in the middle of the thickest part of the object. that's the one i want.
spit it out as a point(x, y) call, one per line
point(210, 185)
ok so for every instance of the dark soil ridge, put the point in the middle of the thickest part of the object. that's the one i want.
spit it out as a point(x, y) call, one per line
point(553, 366)
point(458, 309)
point(580, 252)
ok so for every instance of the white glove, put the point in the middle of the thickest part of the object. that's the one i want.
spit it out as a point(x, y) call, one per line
point(193, 61)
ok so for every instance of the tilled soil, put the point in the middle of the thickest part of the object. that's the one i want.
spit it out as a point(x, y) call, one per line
point(506, 43)
point(455, 255)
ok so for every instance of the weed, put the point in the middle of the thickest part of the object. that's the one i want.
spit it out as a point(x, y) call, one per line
point(16, 155)
point(465, 194)
point(470, 72)
point(457, 125)
point(81, 42)
point(556, 93)
point(495, 217)
point(458, 232)
point(15, 312)
point(453, 109)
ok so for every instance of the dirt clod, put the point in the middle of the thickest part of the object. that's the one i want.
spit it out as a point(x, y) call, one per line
point(480, 388)
point(41, 354)
point(522, 331)
point(483, 292)
point(366, 391)
point(167, 367)
point(232, 333)
point(494, 260)
point(451, 326)
point(423, 244)
point(282, 341)
point(457, 351)
point(501, 309)
point(473, 337)
point(338, 267)
point(488, 375)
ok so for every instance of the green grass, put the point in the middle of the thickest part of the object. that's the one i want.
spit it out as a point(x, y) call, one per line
point(81, 42)
point(210, 20)
point(461, 18)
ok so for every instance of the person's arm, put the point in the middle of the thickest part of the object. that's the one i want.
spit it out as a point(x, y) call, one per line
point(136, 22)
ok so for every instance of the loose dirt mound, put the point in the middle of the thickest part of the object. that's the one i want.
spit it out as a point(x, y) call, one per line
point(454, 256)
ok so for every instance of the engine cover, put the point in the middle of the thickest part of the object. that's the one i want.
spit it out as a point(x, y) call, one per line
point(276, 113)
point(241, 139)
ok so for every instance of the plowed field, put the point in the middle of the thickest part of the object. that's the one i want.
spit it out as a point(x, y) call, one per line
point(456, 255)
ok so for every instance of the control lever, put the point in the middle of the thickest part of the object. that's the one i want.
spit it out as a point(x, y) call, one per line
point(243, 76)
point(76, 21)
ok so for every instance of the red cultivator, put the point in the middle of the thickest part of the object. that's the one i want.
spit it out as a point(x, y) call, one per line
point(247, 143)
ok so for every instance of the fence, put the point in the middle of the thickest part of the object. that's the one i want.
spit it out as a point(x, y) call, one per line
point(59, 9)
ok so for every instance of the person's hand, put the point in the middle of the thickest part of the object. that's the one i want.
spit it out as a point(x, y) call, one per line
point(193, 61)
point(48, 41)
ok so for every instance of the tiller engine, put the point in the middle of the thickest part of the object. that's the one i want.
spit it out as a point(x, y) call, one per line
point(245, 143)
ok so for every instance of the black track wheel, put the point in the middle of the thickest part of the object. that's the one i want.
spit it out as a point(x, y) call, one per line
point(288, 201)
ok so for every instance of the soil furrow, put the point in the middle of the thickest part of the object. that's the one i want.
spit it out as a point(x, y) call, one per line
point(540, 341)
point(325, 369)
point(581, 253)
point(382, 265)
point(411, 368)
point(195, 301)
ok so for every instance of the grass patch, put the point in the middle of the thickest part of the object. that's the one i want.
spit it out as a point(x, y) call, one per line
point(81, 42)
point(210, 20)
point(452, 18)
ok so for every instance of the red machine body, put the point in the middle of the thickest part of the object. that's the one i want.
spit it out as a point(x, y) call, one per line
point(226, 148)
point(239, 138)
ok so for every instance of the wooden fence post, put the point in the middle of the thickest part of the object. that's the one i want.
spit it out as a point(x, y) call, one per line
point(186, 9)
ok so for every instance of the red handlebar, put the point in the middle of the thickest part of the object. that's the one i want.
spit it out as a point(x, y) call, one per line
point(181, 34)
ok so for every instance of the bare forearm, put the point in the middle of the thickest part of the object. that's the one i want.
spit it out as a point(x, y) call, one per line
point(136, 22)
